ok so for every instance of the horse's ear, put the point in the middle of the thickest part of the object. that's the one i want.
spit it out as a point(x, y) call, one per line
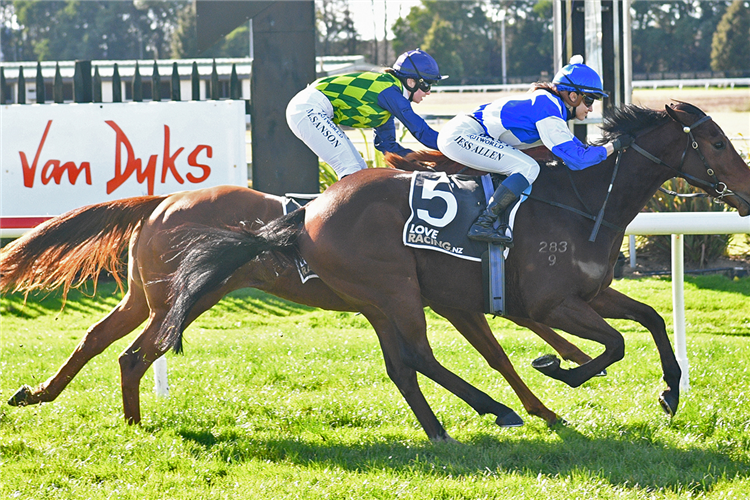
point(676, 114)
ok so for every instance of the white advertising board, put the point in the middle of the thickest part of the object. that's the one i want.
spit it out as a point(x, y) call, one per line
point(57, 157)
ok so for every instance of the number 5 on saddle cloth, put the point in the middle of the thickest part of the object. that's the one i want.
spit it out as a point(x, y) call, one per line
point(442, 210)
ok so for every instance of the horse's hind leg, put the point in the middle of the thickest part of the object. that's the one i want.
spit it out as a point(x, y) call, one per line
point(474, 327)
point(134, 362)
point(144, 350)
point(612, 304)
point(405, 377)
point(124, 318)
point(415, 351)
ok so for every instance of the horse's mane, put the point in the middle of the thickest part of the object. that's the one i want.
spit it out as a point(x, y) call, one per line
point(425, 160)
point(629, 119)
point(632, 119)
point(435, 161)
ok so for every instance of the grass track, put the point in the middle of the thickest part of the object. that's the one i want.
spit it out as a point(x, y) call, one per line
point(274, 400)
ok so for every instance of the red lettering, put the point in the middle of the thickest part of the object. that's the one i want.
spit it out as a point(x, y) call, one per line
point(51, 173)
point(29, 172)
point(132, 164)
point(193, 162)
point(74, 172)
point(56, 171)
point(168, 163)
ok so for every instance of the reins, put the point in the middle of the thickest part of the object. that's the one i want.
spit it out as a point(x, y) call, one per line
point(598, 218)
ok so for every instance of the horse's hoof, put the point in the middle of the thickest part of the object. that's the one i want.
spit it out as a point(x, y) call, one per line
point(510, 419)
point(547, 364)
point(21, 397)
point(559, 422)
point(444, 439)
point(669, 402)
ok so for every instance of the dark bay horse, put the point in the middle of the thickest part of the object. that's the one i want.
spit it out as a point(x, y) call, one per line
point(351, 237)
point(74, 247)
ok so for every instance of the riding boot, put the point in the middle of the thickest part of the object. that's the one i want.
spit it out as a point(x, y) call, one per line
point(483, 228)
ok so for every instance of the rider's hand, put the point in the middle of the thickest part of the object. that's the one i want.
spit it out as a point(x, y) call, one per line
point(622, 142)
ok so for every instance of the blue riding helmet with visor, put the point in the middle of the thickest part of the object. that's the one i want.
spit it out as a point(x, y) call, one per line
point(421, 67)
point(577, 77)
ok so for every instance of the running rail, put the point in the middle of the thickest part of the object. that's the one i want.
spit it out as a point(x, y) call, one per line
point(678, 224)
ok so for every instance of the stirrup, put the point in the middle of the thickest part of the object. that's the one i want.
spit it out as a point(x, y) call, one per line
point(497, 236)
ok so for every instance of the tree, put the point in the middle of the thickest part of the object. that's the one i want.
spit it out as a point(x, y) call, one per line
point(685, 26)
point(335, 28)
point(730, 47)
point(65, 30)
point(465, 37)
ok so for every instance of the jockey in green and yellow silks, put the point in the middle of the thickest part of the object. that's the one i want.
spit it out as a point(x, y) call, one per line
point(364, 100)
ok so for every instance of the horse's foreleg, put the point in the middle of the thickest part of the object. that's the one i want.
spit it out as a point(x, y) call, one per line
point(564, 348)
point(124, 318)
point(613, 304)
point(474, 327)
point(578, 318)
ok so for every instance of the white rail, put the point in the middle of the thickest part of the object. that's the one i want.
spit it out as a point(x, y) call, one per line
point(678, 224)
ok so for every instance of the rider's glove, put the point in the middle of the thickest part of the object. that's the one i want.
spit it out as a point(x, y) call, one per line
point(622, 142)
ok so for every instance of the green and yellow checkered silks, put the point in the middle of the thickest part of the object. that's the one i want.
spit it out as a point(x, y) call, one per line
point(354, 97)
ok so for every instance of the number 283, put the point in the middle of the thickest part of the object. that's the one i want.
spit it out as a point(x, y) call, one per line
point(552, 248)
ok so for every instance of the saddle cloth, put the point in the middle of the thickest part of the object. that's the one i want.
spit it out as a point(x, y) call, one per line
point(443, 208)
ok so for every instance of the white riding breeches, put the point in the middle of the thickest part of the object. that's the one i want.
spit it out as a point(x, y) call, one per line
point(310, 116)
point(464, 140)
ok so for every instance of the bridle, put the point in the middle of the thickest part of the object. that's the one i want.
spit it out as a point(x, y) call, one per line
point(717, 186)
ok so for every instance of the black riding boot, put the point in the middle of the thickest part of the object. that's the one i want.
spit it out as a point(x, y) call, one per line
point(483, 228)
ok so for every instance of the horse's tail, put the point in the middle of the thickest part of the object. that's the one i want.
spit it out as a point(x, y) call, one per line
point(210, 258)
point(67, 250)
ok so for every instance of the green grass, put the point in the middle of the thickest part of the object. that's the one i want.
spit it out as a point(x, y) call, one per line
point(274, 400)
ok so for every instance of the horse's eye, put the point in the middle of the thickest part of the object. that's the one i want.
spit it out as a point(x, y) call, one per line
point(719, 145)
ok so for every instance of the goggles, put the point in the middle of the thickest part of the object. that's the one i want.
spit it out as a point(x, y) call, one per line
point(424, 85)
point(588, 99)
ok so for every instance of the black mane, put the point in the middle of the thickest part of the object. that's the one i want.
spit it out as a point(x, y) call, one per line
point(631, 119)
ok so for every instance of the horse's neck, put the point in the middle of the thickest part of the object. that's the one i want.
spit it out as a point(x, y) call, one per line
point(637, 179)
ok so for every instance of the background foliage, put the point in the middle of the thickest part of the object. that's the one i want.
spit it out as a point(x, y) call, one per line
point(700, 249)
point(464, 36)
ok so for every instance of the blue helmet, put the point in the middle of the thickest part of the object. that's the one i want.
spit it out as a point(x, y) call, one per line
point(418, 65)
point(577, 77)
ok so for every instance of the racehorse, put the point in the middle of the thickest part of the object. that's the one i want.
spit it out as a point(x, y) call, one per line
point(351, 236)
point(67, 250)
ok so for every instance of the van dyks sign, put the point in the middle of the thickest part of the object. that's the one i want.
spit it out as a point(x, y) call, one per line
point(55, 158)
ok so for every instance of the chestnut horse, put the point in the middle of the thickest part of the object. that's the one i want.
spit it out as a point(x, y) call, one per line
point(352, 237)
point(67, 250)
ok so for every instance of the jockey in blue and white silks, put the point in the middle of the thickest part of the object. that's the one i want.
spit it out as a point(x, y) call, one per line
point(493, 137)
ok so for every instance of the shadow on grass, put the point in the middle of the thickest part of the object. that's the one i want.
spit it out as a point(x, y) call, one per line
point(100, 301)
point(720, 283)
point(633, 460)
point(85, 300)
point(715, 282)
